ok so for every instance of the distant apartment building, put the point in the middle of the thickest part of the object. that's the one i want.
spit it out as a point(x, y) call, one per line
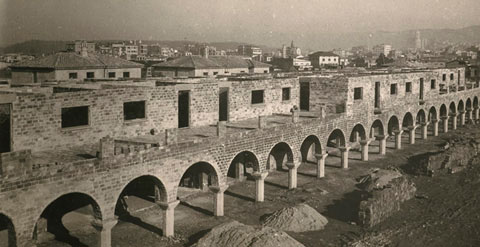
point(203, 66)
point(250, 51)
point(382, 49)
point(324, 59)
point(77, 45)
point(15, 57)
point(66, 66)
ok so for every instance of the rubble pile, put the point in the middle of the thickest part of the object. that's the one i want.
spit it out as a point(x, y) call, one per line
point(386, 190)
point(300, 218)
point(237, 234)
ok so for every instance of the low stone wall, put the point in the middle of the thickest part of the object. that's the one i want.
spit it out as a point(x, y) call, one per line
point(383, 203)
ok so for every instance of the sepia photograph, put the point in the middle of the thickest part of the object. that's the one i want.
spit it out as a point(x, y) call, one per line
point(239, 123)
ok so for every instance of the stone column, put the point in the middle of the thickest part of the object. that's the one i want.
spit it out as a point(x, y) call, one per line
point(344, 151)
point(203, 181)
point(292, 175)
point(470, 115)
point(435, 127)
point(398, 139)
point(364, 146)
point(321, 164)
point(218, 199)
point(445, 123)
point(462, 118)
point(476, 112)
point(411, 134)
point(105, 228)
point(454, 122)
point(259, 185)
point(168, 210)
point(424, 130)
point(239, 171)
point(382, 141)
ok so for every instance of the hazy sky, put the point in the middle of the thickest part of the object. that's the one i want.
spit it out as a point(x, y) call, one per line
point(254, 21)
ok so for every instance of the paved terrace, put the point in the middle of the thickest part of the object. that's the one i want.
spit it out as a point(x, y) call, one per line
point(34, 184)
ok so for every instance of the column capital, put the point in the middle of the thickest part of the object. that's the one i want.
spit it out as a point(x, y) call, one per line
point(445, 117)
point(365, 142)
point(380, 137)
point(260, 175)
point(218, 189)
point(453, 114)
point(291, 165)
point(424, 123)
point(462, 112)
point(321, 156)
point(468, 109)
point(167, 205)
point(411, 128)
point(476, 107)
point(344, 149)
point(434, 121)
point(106, 224)
point(397, 132)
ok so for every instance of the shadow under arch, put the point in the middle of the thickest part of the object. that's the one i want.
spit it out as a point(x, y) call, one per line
point(281, 154)
point(310, 146)
point(6, 224)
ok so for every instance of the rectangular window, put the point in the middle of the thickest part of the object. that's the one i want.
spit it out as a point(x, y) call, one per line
point(205, 73)
point(451, 76)
point(393, 88)
point(74, 116)
point(433, 84)
point(257, 96)
point(444, 77)
point(285, 93)
point(111, 74)
point(265, 71)
point(126, 74)
point(408, 87)
point(72, 75)
point(358, 93)
point(90, 75)
point(134, 110)
point(215, 73)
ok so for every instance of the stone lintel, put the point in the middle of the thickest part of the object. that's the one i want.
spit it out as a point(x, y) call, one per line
point(260, 175)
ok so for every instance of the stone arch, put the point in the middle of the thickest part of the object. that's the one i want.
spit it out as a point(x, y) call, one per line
point(452, 110)
point(336, 139)
point(461, 106)
point(6, 224)
point(50, 219)
point(407, 120)
point(358, 131)
point(443, 110)
point(243, 161)
point(281, 153)
point(393, 125)
point(146, 187)
point(421, 117)
point(377, 128)
point(191, 176)
point(432, 114)
point(468, 104)
point(310, 146)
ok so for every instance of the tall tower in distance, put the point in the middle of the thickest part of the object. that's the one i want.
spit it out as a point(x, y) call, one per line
point(418, 41)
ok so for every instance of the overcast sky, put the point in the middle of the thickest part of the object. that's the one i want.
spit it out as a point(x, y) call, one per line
point(251, 21)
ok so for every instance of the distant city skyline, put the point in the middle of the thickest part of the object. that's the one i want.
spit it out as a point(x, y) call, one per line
point(270, 23)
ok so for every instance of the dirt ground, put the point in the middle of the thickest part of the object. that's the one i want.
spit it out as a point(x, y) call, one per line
point(445, 212)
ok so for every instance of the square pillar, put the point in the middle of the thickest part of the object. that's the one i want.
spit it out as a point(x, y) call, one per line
point(321, 164)
point(424, 130)
point(382, 140)
point(221, 129)
point(292, 175)
point(259, 185)
point(364, 147)
point(411, 134)
point(239, 171)
point(295, 116)
point(218, 199)
point(398, 139)
point(203, 181)
point(454, 122)
point(445, 123)
point(462, 118)
point(344, 151)
point(168, 210)
point(105, 228)
point(435, 127)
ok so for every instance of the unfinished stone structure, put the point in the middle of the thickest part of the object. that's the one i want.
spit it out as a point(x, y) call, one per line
point(71, 145)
